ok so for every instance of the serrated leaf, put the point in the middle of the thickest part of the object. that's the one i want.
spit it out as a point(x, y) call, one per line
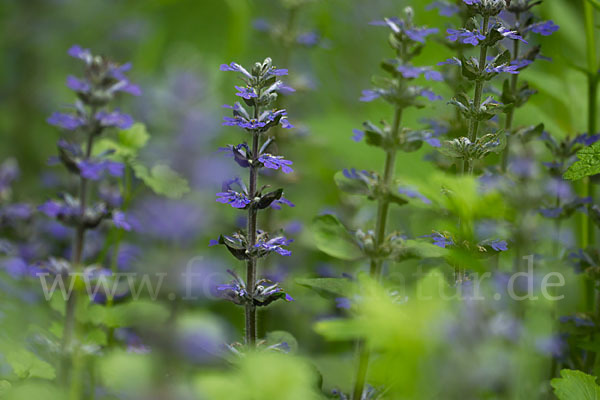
point(332, 238)
point(329, 287)
point(587, 165)
point(162, 180)
point(575, 385)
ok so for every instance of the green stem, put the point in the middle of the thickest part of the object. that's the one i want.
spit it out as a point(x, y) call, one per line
point(250, 309)
point(511, 111)
point(78, 242)
point(474, 123)
point(380, 228)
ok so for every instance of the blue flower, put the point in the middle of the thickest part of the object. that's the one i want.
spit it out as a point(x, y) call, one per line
point(546, 28)
point(309, 39)
point(409, 72)
point(507, 33)
point(370, 95)
point(236, 68)
point(466, 36)
point(114, 119)
point(499, 245)
point(509, 69)
point(240, 154)
point(246, 92)
point(276, 205)
point(94, 170)
point(120, 220)
point(77, 51)
point(233, 198)
point(413, 194)
point(430, 95)
point(343, 302)
point(445, 9)
point(358, 135)
point(440, 240)
point(275, 245)
point(420, 34)
point(66, 121)
point(78, 85)
point(275, 162)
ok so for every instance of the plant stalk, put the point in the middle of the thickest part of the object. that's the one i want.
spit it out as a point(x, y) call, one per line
point(474, 123)
point(376, 265)
point(514, 80)
point(78, 243)
point(250, 311)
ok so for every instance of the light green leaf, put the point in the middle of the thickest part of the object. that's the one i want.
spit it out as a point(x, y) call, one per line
point(588, 163)
point(134, 138)
point(329, 287)
point(332, 238)
point(162, 180)
point(4, 387)
point(575, 385)
point(27, 365)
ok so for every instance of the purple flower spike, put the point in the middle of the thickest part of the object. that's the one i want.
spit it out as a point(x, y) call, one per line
point(276, 162)
point(235, 68)
point(115, 118)
point(275, 245)
point(66, 121)
point(94, 170)
point(233, 198)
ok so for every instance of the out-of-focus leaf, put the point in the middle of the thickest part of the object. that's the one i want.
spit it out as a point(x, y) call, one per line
point(27, 365)
point(332, 238)
point(126, 371)
point(575, 385)
point(4, 387)
point(352, 186)
point(162, 180)
point(134, 138)
point(587, 165)
point(329, 287)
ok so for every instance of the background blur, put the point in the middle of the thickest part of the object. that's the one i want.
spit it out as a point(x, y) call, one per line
point(176, 47)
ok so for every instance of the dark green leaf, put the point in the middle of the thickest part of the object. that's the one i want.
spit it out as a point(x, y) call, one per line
point(332, 238)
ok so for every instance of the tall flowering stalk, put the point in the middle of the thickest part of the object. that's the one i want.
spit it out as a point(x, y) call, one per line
point(400, 91)
point(260, 90)
point(90, 117)
point(519, 19)
point(485, 31)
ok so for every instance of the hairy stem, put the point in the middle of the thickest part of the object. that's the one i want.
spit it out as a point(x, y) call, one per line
point(514, 80)
point(251, 238)
point(474, 123)
point(375, 270)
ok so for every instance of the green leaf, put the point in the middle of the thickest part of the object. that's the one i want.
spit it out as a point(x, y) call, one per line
point(332, 238)
point(134, 138)
point(162, 180)
point(27, 365)
point(588, 163)
point(575, 385)
point(420, 250)
point(329, 287)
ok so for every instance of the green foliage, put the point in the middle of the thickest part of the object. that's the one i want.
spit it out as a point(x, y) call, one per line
point(575, 385)
point(162, 180)
point(329, 287)
point(27, 365)
point(126, 371)
point(139, 313)
point(275, 338)
point(332, 238)
point(159, 178)
point(587, 165)
point(262, 375)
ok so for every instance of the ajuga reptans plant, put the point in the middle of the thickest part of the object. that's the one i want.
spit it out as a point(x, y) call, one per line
point(258, 92)
point(90, 117)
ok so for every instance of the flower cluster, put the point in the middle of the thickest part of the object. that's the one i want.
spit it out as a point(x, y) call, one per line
point(262, 86)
